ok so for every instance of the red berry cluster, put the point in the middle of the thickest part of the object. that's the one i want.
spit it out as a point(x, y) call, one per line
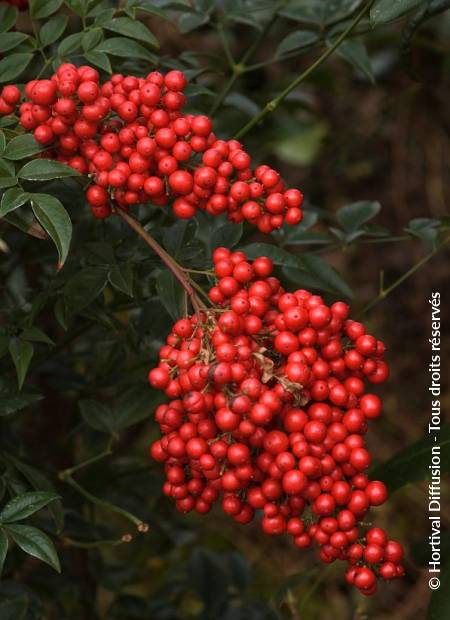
point(130, 136)
point(269, 410)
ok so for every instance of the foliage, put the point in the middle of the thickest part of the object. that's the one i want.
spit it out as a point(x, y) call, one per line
point(85, 305)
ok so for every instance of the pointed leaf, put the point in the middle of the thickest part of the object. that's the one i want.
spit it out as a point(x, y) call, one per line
point(84, 287)
point(170, 294)
point(55, 220)
point(21, 147)
point(125, 48)
point(12, 66)
point(21, 353)
point(133, 29)
point(35, 543)
point(24, 505)
point(97, 415)
point(388, 10)
point(8, 16)
point(46, 170)
point(352, 217)
point(53, 29)
point(121, 277)
point(296, 40)
point(12, 199)
point(40, 9)
point(355, 53)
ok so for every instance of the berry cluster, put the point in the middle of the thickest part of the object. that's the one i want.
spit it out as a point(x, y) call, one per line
point(268, 412)
point(130, 136)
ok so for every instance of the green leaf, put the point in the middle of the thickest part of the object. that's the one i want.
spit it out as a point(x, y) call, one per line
point(279, 257)
point(84, 287)
point(35, 543)
point(21, 353)
point(170, 293)
point(191, 21)
point(35, 334)
point(91, 38)
point(12, 66)
point(53, 29)
point(24, 505)
point(70, 44)
point(97, 415)
point(439, 608)
point(55, 220)
point(12, 199)
point(296, 40)
point(8, 16)
point(125, 48)
point(3, 549)
point(14, 608)
point(240, 102)
point(99, 59)
point(355, 53)
point(177, 237)
point(121, 277)
point(424, 228)
point(17, 402)
point(133, 29)
point(387, 10)
point(134, 405)
point(46, 170)
point(40, 9)
point(39, 482)
point(412, 463)
point(21, 147)
point(325, 277)
point(227, 235)
point(7, 182)
point(10, 40)
point(104, 17)
point(80, 7)
point(2, 142)
point(353, 217)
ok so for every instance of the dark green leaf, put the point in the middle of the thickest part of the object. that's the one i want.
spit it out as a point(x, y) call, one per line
point(126, 48)
point(53, 29)
point(35, 543)
point(134, 405)
point(12, 199)
point(296, 40)
point(388, 10)
point(170, 294)
point(80, 7)
point(84, 287)
point(55, 220)
point(301, 147)
point(97, 415)
point(241, 102)
point(70, 44)
point(133, 29)
point(7, 182)
point(2, 142)
point(21, 353)
point(91, 38)
point(352, 217)
point(40, 9)
point(3, 549)
point(8, 16)
point(326, 278)
point(35, 334)
point(424, 228)
point(412, 463)
point(45, 170)
point(355, 53)
point(21, 147)
point(121, 277)
point(277, 255)
point(99, 59)
point(191, 21)
point(177, 236)
point(12, 66)
point(10, 40)
point(39, 482)
point(104, 17)
point(16, 402)
point(227, 235)
point(24, 505)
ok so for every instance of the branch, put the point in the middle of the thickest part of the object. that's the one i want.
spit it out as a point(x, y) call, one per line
point(170, 262)
point(384, 292)
point(272, 105)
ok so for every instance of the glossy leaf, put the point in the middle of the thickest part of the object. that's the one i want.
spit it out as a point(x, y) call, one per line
point(12, 199)
point(296, 40)
point(55, 220)
point(21, 352)
point(12, 66)
point(97, 415)
point(46, 170)
point(25, 505)
point(8, 16)
point(352, 217)
point(40, 9)
point(121, 277)
point(388, 10)
point(125, 48)
point(3, 548)
point(53, 29)
point(84, 287)
point(21, 147)
point(131, 28)
point(11, 40)
point(34, 542)
point(170, 294)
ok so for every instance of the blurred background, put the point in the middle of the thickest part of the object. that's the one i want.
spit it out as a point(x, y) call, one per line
point(370, 124)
